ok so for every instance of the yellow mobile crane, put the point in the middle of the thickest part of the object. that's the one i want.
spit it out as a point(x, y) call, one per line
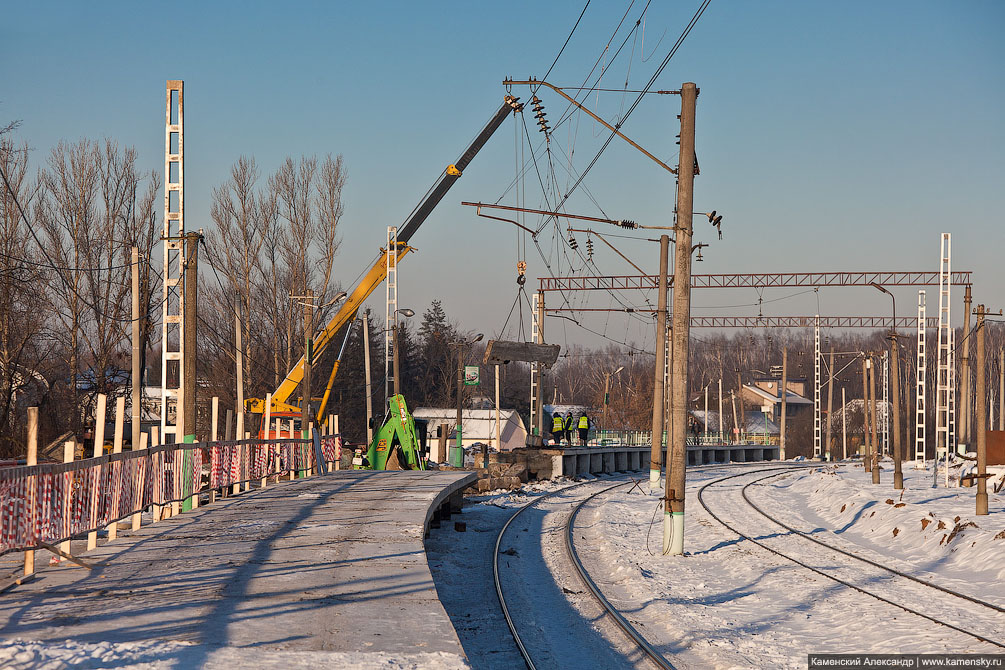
point(281, 407)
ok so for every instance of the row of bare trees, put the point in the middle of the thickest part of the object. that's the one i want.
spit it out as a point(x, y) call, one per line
point(66, 233)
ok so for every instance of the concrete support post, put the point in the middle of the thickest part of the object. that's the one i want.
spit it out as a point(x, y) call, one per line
point(673, 519)
point(366, 367)
point(190, 352)
point(866, 460)
point(31, 459)
point(830, 405)
point(99, 441)
point(982, 416)
point(966, 408)
point(137, 355)
point(656, 446)
point(898, 447)
point(872, 435)
point(785, 393)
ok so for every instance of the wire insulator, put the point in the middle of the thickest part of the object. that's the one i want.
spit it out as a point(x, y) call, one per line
point(630, 225)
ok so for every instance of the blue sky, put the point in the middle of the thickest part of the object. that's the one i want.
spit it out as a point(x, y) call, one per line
point(833, 136)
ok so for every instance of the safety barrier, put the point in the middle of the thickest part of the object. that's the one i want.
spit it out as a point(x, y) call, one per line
point(42, 505)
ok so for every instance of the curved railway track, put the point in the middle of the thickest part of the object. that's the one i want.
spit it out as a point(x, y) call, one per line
point(775, 472)
point(630, 632)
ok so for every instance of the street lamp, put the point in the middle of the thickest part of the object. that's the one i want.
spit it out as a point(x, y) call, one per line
point(459, 449)
point(407, 313)
point(607, 392)
point(898, 473)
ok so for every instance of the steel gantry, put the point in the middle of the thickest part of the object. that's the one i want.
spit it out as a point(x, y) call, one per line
point(919, 398)
point(753, 280)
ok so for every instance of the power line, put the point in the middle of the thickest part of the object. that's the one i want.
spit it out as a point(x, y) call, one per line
point(566, 40)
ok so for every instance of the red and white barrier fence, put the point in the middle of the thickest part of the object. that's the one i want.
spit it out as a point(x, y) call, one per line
point(45, 504)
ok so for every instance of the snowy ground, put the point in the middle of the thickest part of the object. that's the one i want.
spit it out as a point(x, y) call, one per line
point(726, 604)
point(729, 603)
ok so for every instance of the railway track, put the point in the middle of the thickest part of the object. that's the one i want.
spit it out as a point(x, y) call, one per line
point(855, 572)
point(634, 639)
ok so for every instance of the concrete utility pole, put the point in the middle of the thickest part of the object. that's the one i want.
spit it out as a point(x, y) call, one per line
point(498, 422)
point(673, 505)
point(736, 421)
point(875, 451)
point(742, 426)
point(190, 331)
point(830, 403)
point(656, 445)
point(240, 374)
point(785, 389)
point(844, 425)
point(540, 367)
point(137, 373)
point(720, 410)
point(866, 460)
point(966, 408)
point(305, 408)
point(366, 367)
point(1001, 389)
point(898, 448)
point(982, 416)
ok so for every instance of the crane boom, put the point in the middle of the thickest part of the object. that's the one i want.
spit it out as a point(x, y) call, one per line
point(378, 273)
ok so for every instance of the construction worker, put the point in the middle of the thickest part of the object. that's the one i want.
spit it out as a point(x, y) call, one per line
point(569, 421)
point(584, 429)
point(557, 428)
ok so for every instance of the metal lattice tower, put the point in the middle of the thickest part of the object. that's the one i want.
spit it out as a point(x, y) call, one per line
point(535, 333)
point(919, 398)
point(944, 374)
point(816, 387)
point(886, 401)
point(391, 315)
point(173, 305)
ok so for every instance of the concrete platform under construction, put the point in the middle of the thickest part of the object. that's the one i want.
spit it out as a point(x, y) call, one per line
point(572, 461)
point(330, 569)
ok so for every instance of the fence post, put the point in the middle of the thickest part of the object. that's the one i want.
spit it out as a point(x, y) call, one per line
point(213, 432)
point(120, 412)
point(68, 448)
point(293, 453)
point(140, 484)
point(338, 450)
point(31, 459)
point(99, 443)
point(158, 484)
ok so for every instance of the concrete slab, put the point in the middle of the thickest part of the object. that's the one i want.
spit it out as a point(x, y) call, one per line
point(332, 563)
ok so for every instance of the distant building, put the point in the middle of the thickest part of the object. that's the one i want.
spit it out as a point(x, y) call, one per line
point(764, 393)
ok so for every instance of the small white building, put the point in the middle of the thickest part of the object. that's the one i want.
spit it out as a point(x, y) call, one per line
point(478, 425)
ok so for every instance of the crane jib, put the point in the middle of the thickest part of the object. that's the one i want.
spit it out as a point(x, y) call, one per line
point(423, 211)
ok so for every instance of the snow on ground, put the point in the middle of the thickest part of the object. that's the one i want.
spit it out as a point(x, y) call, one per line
point(159, 655)
point(931, 533)
point(728, 603)
point(461, 567)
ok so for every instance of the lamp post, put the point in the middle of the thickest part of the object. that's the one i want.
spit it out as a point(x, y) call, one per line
point(407, 313)
point(458, 460)
point(607, 392)
point(898, 473)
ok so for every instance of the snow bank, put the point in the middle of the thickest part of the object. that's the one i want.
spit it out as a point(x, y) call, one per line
point(922, 529)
